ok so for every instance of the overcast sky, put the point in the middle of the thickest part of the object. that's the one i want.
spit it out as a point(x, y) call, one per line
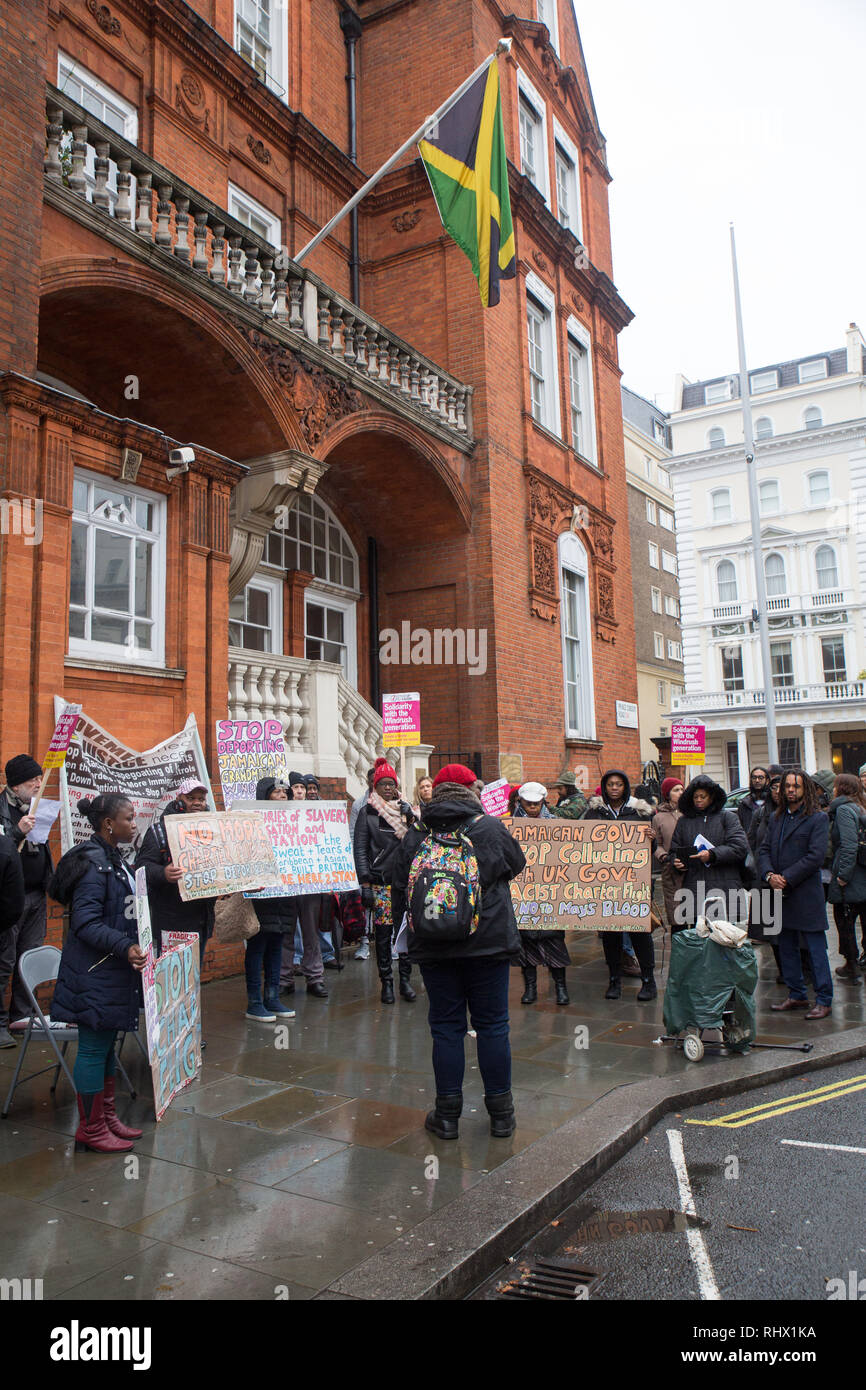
point(748, 111)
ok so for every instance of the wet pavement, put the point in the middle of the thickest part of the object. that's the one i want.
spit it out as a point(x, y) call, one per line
point(300, 1150)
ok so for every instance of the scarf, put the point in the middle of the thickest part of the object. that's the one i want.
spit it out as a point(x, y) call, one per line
point(390, 813)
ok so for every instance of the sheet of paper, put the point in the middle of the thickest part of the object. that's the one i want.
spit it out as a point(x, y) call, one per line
point(46, 814)
point(701, 842)
point(401, 943)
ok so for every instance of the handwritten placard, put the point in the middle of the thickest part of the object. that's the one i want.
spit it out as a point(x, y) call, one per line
point(311, 846)
point(247, 751)
point(220, 852)
point(583, 875)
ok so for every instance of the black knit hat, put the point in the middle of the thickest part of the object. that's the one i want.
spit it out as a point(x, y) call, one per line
point(21, 769)
point(295, 778)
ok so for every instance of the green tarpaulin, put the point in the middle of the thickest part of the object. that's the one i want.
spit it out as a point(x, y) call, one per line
point(702, 978)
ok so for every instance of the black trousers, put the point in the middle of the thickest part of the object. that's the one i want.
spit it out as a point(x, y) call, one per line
point(642, 941)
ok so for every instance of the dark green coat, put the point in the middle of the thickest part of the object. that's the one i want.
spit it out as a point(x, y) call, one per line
point(845, 815)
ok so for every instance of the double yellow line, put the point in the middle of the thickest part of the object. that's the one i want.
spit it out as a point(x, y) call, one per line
point(785, 1104)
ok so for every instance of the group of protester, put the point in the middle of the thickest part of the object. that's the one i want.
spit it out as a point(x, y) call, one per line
point(803, 837)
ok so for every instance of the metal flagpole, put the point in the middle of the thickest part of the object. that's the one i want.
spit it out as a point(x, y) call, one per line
point(504, 46)
point(751, 472)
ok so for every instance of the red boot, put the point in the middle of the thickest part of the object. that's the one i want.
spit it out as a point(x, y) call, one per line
point(114, 1124)
point(92, 1132)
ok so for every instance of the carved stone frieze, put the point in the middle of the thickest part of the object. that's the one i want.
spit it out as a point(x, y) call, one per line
point(258, 150)
point(190, 99)
point(318, 397)
point(105, 19)
point(405, 221)
point(543, 567)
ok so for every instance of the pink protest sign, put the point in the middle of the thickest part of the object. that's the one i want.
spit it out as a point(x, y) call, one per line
point(401, 720)
point(688, 743)
point(494, 797)
point(62, 736)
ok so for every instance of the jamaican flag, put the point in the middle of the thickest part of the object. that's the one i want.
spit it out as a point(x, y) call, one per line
point(468, 172)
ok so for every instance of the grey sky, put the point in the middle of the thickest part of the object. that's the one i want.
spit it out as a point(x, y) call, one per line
point(751, 112)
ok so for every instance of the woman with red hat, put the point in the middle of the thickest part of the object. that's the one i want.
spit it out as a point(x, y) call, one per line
point(381, 824)
point(663, 824)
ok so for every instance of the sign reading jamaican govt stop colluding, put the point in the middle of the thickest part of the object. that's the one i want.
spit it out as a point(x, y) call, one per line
point(220, 852)
point(311, 846)
point(583, 876)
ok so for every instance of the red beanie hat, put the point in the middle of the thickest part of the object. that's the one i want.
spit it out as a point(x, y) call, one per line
point(383, 769)
point(668, 785)
point(456, 772)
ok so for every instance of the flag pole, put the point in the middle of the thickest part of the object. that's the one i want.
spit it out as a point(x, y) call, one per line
point(754, 509)
point(504, 46)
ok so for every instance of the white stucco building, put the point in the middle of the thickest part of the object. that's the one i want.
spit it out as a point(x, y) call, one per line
point(810, 427)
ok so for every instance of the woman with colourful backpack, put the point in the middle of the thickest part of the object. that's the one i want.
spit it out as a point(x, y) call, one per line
point(451, 877)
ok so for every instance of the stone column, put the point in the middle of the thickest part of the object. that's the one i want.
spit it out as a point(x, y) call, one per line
point(810, 762)
point(415, 764)
point(743, 756)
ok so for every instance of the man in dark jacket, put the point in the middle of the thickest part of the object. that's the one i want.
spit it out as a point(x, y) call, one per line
point(752, 804)
point(23, 778)
point(709, 847)
point(615, 802)
point(167, 909)
point(789, 862)
point(472, 973)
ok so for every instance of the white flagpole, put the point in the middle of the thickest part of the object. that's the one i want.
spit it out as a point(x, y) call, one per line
point(504, 46)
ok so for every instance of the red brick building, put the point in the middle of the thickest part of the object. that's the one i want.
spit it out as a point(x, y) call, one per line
point(371, 448)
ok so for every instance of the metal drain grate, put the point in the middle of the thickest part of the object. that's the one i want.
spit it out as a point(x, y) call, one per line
point(552, 1279)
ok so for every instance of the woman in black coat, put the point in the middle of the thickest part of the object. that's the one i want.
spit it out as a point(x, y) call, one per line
point(471, 973)
point(382, 823)
point(789, 862)
point(615, 802)
point(712, 883)
point(540, 947)
point(98, 984)
point(847, 890)
point(264, 951)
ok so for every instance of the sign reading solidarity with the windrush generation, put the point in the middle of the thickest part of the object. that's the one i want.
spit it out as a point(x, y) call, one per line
point(62, 737)
point(583, 875)
point(220, 852)
point(401, 720)
point(311, 845)
point(688, 743)
point(494, 797)
point(247, 750)
point(171, 1008)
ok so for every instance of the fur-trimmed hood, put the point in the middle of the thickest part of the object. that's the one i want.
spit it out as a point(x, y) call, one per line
point(641, 808)
point(718, 797)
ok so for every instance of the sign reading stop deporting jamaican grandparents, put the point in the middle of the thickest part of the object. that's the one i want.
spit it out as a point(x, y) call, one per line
point(221, 852)
point(583, 875)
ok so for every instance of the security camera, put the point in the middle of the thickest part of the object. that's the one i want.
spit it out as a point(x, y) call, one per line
point(180, 459)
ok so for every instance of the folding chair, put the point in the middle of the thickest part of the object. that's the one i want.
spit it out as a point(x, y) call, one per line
point(37, 967)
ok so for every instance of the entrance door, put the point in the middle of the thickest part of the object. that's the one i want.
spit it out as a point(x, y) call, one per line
point(848, 757)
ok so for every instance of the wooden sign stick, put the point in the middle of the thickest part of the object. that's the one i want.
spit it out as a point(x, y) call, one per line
point(35, 802)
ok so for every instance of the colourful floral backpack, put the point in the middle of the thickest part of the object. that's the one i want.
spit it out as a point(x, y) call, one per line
point(444, 888)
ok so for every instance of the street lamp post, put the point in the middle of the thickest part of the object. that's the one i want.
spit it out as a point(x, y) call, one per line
point(754, 512)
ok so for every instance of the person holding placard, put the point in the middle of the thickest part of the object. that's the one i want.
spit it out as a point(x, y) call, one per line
point(264, 951)
point(23, 780)
point(614, 801)
point(381, 824)
point(540, 947)
point(304, 908)
point(168, 910)
point(98, 984)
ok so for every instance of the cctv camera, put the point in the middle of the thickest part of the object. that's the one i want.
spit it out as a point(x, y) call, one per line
point(181, 460)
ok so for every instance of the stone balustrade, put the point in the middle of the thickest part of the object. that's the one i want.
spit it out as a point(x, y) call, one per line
point(835, 692)
point(125, 186)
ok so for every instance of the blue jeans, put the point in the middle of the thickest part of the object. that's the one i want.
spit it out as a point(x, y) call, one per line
point(95, 1059)
point(482, 987)
point(263, 952)
point(792, 965)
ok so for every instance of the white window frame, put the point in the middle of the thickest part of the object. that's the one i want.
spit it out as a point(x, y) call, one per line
point(735, 598)
point(539, 107)
point(648, 467)
point(717, 391)
point(274, 588)
point(675, 650)
point(776, 555)
point(661, 692)
point(813, 424)
point(581, 336)
point(546, 300)
point(669, 562)
point(819, 473)
point(659, 645)
point(718, 520)
point(237, 200)
point(325, 595)
point(550, 17)
point(759, 382)
point(655, 599)
point(651, 511)
point(666, 519)
point(277, 79)
point(69, 68)
point(571, 555)
point(716, 443)
point(653, 555)
point(804, 374)
point(760, 437)
point(672, 606)
point(762, 507)
point(835, 637)
point(828, 588)
point(572, 154)
point(113, 651)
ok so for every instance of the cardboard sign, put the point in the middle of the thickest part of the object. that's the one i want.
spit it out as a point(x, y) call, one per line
point(247, 750)
point(62, 737)
point(586, 875)
point(401, 720)
point(688, 743)
point(172, 939)
point(220, 852)
point(172, 1011)
point(311, 846)
point(494, 797)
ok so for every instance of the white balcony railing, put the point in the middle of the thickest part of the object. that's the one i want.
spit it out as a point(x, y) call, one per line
point(329, 728)
point(719, 700)
point(782, 603)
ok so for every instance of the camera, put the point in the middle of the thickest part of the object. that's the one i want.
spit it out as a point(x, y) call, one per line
point(180, 460)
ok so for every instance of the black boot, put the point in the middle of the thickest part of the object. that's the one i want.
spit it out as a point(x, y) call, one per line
point(648, 989)
point(404, 967)
point(383, 962)
point(558, 973)
point(850, 971)
point(501, 1112)
point(387, 995)
point(530, 981)
point(614, 989)
point(443, 1120)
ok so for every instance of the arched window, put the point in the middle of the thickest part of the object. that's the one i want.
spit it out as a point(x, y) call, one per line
point(819, 488)
point(576, 637)
point(310, 538)
point(720, 502)
point(826, 568)
point(726, 582)
point(716, 438)
point(774, 572)
point(812, 418)
point(764, 427)
point(768, 497)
